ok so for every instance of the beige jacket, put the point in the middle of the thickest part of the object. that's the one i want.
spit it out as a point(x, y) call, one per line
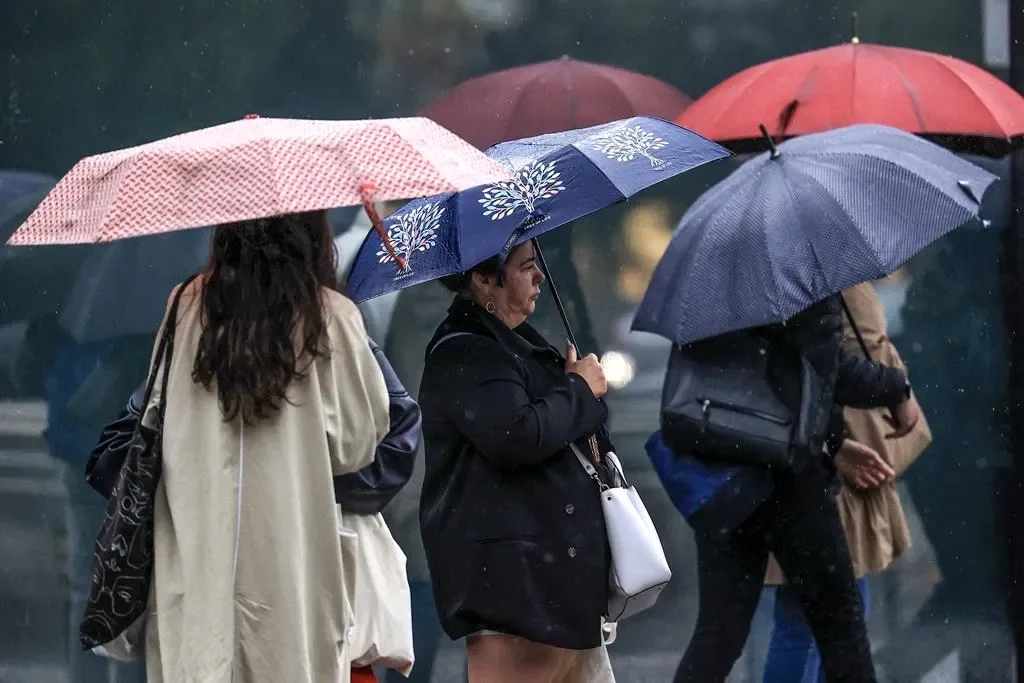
point(876, 528)
point(250, 582)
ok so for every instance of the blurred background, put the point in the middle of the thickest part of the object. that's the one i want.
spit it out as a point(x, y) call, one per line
point(78, 78)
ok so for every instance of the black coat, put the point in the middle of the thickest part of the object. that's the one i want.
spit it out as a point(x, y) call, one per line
point(858, 382)
point(512, 525)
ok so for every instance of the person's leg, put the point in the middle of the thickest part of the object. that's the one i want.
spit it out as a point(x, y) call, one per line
point(865, 598)
point(809, 543)
point(426, 634)
point(501, 658)
point(731, 576)
point(792, 655)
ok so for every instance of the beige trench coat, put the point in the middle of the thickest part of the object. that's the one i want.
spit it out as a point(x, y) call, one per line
point(875, 526)
point(249, 577)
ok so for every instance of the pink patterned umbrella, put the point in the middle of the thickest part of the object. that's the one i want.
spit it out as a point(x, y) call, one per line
point(253, 168)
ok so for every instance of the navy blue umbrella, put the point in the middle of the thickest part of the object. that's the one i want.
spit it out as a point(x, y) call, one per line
point(20, 190)
point(805, 221)
point(559, 177)
point(121, 287)
point(96, 291)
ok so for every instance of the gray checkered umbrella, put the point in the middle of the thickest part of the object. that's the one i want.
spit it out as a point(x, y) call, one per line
point(795, 225)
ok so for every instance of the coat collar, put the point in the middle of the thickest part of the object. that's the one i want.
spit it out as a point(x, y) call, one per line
point(465, 316)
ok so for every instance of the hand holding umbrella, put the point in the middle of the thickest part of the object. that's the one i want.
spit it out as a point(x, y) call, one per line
point(589, 368)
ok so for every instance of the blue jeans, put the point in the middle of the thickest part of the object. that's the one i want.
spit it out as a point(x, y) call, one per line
point(426, 634)
point(792, 655)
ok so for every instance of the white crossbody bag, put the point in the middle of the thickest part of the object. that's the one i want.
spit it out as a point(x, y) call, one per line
point(639, 569)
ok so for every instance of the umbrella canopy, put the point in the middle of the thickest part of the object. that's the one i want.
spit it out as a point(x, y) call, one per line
point(121, 289)
point(97, 291)
point(549, 97)
point(34, 281)
point(559, 177)
point(20, 188)
point(957, 104)
point(253, 168)
point(791, 227)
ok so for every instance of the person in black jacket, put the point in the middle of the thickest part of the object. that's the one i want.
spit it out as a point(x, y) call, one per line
point(365, 492)
point(800, 524)
point(511, 523)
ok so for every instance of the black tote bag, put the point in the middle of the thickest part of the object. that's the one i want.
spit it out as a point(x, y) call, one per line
point(122, 564)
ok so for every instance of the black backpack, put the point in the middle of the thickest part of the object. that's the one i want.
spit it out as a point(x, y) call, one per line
point(747, 397)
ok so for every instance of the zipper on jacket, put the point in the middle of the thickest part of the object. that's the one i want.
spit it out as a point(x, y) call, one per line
point(706, 404)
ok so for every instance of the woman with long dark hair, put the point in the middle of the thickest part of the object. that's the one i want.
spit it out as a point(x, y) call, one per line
point(273, 390)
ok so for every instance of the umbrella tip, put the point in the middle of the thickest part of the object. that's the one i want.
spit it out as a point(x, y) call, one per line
point(251, 116)
point(565, 58)
point(768, 139)
point(854, 38)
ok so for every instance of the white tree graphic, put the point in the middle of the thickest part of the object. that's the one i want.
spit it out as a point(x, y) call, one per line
point(532, 182)
point(413, 231)
point(625, 144)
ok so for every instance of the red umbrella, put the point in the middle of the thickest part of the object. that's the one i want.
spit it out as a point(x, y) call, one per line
point(948, 100)
point(549, 97)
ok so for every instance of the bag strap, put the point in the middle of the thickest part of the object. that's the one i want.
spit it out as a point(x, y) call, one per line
point(164, 353)
point(588, 467)
point(856, 330)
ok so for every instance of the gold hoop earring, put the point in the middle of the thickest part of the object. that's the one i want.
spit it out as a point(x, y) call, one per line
point(490, 307)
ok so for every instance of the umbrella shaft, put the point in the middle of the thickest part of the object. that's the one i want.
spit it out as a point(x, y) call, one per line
point(554, 293)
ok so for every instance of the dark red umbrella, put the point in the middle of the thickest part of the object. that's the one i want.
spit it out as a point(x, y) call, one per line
point(957, 104)
point(548, 97)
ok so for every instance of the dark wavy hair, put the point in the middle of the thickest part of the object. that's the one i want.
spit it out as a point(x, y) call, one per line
point(262, 311)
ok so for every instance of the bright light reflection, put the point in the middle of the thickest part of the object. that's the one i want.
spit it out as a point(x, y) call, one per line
point(619, 368)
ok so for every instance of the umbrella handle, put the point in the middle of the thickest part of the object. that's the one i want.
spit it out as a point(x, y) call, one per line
point(371, 211)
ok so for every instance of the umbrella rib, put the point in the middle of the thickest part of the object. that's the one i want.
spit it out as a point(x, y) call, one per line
point(871, 247)
point(874, 157)
point(911, 92)
point(265, 143)
point(830, 285)
point(767, 250)
point(973, 92)
point(701, 245)
point(739, 96)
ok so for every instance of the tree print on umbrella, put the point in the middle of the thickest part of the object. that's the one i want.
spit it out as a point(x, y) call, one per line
point(625, 144)
point(413, 231)
point(532, 182)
